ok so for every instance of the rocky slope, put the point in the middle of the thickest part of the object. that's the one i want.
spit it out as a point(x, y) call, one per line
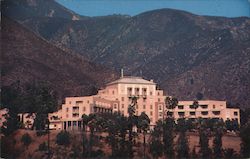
point(187, 54)
point(23, 9)
point(27, 58)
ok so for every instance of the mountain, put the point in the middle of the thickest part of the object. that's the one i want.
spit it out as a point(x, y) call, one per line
point(26, 57)
point(185, 53)
point(23, 9)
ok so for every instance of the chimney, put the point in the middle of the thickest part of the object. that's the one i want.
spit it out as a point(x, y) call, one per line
point(121, 73)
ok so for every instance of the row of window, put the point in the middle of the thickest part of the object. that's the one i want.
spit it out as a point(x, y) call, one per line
point(79, 102)
point(137, 91)
point(192, 106)
point(202, 113)
point(144, 106)
point(76, 109)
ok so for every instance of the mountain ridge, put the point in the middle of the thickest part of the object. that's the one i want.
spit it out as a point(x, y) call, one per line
point(27, 57)
point(166, 45)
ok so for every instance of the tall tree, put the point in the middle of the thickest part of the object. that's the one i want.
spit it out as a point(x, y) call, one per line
point(144, 122)
point(182, 145)
point(131, 123)
point(170, 103)
point(204, 142)
point(168, 137)
point(196, 106)
point(85, 120)
point(217, 142)
point(92, 124)
point(182, 142)
point(168, 127)
point(156, 146)
point(12, 99)
point(41, 100)
point(245, 140)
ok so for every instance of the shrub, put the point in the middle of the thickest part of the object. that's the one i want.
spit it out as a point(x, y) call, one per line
point(41, 132)
point(63, 138)
point(42, 147)
point(26, 140)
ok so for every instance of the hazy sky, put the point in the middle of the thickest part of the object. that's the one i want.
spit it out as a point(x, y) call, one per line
point(227, 8)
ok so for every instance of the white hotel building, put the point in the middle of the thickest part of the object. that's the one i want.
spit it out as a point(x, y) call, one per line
point(116, 96)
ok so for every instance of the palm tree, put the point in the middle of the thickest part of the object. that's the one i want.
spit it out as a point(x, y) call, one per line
point(131, 121)
point(168, 127)
point(85, 120)
point(219, 128)
point(195, 106)
point(171, 103)
point(143, 124)
point(156, 146)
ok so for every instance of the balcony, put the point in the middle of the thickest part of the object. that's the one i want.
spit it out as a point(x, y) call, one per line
point(75, 115)
point(181, 114)
point(216, 112)
point(204, 106)
point(204, 113)
point(192, 113)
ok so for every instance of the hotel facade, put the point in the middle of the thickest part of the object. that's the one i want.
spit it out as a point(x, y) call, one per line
point(116, 97)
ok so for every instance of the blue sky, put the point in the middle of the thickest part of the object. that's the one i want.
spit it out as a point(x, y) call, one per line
point(227, 8)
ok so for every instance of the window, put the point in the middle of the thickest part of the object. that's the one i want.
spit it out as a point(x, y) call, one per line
point(160, 107)
point(151, 106)
point(160, 114)
point(129, 91)
point(213, 106)
point(67, 109)
point(191, 106)
point(192, 113)
point(69, 123)
point(235, 113)
point(69, 102)
point(79, 102)
point(159, 99)
point(113, 92)
point(181, 114)
point(158, 93)
point(144, 91)
point(180, 106)
point(136, 106)
point(204, 112)
point(115, 106)
point(151, 113)
point(137, 91)
point(75, 109)
point(144, 99)
point(144, 106)
point(75, 115)
point(67, 115)
point(122, 98)
point(216, 112)
point(88, 101)
point(204, 106)
point(170, 113)
point(84, 109)
point(151, 93)
point(122, 105)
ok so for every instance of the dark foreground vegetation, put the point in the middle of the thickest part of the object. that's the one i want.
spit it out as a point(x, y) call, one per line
point(118, 136)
